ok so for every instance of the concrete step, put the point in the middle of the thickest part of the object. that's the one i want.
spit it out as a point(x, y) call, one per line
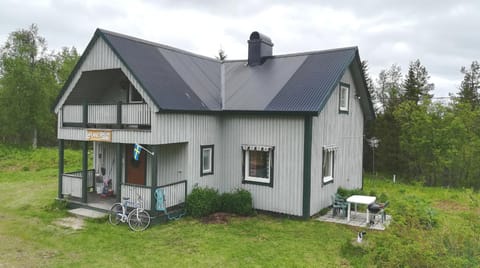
point(87, 213)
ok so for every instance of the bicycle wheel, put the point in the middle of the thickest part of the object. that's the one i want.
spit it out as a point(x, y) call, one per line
point(138, 220)
point(115, 215)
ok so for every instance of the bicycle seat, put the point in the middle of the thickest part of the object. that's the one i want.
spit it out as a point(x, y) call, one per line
point(126, 198)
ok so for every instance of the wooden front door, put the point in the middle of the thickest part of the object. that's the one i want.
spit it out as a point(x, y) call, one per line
point(135, 169)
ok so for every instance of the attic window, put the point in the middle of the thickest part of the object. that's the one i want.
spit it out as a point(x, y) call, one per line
point(344, 97)
point(133, 95)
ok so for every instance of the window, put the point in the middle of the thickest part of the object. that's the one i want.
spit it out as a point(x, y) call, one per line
point(206, 160)
point(344, 96)
point(133, 95)
point(257, 165)
point(328, 164)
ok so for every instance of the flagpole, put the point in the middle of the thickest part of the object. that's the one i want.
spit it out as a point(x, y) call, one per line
point(152, 153)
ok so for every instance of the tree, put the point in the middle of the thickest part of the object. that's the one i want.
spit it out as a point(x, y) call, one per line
point(29, 82)
point(389, 89)
point(469, 87)
point(416, 85)
point(386, 127)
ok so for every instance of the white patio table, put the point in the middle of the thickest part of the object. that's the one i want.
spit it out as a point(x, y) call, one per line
point(359, 199)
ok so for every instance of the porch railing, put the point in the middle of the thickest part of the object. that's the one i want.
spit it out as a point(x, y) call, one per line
point(72, 182)
point(175, 193)
point(111, 115)
point(131, 191)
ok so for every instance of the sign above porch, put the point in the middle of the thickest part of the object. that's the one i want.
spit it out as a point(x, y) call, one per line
point(99, 135)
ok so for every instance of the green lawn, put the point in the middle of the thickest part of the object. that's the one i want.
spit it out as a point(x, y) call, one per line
point(432, 227)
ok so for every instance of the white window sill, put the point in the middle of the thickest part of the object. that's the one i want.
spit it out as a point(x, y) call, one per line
point(256, 179)
point(327, 180)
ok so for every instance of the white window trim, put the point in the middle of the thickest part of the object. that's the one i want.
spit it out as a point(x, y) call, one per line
point(344, 107)
point(330, 177)
point(209, 149)
point(261, 148)
point(247, 168)
point(209, 152)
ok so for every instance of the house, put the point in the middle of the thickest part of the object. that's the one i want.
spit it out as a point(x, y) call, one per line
point(288, 128)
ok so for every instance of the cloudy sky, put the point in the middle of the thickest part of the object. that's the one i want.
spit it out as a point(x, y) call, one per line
point(443, 34)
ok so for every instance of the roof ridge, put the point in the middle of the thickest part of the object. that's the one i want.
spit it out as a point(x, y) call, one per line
point(158, 45)
point(306, 53)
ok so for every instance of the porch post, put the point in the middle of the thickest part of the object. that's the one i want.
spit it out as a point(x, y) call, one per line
point(60, 168)
point(84, 170)
point(118, 187)
point(154, 176)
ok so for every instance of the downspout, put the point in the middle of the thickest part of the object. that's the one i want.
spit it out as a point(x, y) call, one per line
point(307, 165)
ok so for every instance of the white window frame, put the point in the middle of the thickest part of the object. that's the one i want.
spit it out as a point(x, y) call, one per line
point(328, 164)
point(344, 97)
point(131, 88)
point(204, 149)
point(258, 180)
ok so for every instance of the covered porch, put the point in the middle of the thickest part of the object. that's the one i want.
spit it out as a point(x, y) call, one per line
point(115, 175)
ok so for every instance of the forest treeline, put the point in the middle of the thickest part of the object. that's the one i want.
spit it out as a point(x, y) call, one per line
point(420, 139)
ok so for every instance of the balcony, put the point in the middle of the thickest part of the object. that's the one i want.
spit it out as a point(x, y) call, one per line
point(110, 116)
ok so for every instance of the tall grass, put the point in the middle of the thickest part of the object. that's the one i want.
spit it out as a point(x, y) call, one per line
point(432, 227)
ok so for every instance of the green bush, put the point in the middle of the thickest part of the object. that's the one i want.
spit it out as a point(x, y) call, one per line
point(202, 202)
point(346, 193)
point(238, 202)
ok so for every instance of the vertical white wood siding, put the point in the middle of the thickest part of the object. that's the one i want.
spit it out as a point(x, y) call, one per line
point(286, 135)
point(344, 131)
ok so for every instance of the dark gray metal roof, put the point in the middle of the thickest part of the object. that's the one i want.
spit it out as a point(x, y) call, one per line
point(311, 85)
point(182, 81)
point(253, 88)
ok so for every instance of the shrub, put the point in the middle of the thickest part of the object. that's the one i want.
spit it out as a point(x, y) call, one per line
point(202, 202)
point(346, 193)
point(238, 202)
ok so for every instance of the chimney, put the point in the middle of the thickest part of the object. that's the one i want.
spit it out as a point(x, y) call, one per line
point(259, 48)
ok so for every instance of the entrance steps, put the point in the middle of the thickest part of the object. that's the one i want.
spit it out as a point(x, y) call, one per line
point(87, 213)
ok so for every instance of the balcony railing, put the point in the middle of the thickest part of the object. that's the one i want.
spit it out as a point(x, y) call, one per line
point(107, 116)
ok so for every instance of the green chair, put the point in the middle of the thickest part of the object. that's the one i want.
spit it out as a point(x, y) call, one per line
point(339, 206)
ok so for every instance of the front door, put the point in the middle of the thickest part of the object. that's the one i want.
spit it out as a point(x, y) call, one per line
point(135, 169)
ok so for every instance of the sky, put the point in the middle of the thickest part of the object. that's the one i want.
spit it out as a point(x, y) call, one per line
point(443, 34)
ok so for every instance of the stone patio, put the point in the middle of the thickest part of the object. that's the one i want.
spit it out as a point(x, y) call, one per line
point(357, 219)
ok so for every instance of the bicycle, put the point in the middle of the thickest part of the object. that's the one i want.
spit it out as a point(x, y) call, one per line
point(138, 219)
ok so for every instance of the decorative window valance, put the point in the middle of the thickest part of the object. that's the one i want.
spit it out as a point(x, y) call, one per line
point(263, 148)
point(330, 148)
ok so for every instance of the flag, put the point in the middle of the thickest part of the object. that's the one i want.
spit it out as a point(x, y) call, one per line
point(137, 149)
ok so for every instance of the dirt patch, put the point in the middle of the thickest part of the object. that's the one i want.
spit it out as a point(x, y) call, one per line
point(217, 218)
point(70, 222)
point(449, 205)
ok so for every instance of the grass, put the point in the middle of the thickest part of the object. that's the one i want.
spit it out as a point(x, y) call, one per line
point(432, 227)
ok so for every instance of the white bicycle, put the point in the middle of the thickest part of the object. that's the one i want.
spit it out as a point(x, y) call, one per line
point(138, 219)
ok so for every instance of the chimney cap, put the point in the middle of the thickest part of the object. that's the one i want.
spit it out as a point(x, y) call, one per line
point(254, 36)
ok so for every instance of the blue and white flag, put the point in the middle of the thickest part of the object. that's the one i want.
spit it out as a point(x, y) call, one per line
point(137, 149)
